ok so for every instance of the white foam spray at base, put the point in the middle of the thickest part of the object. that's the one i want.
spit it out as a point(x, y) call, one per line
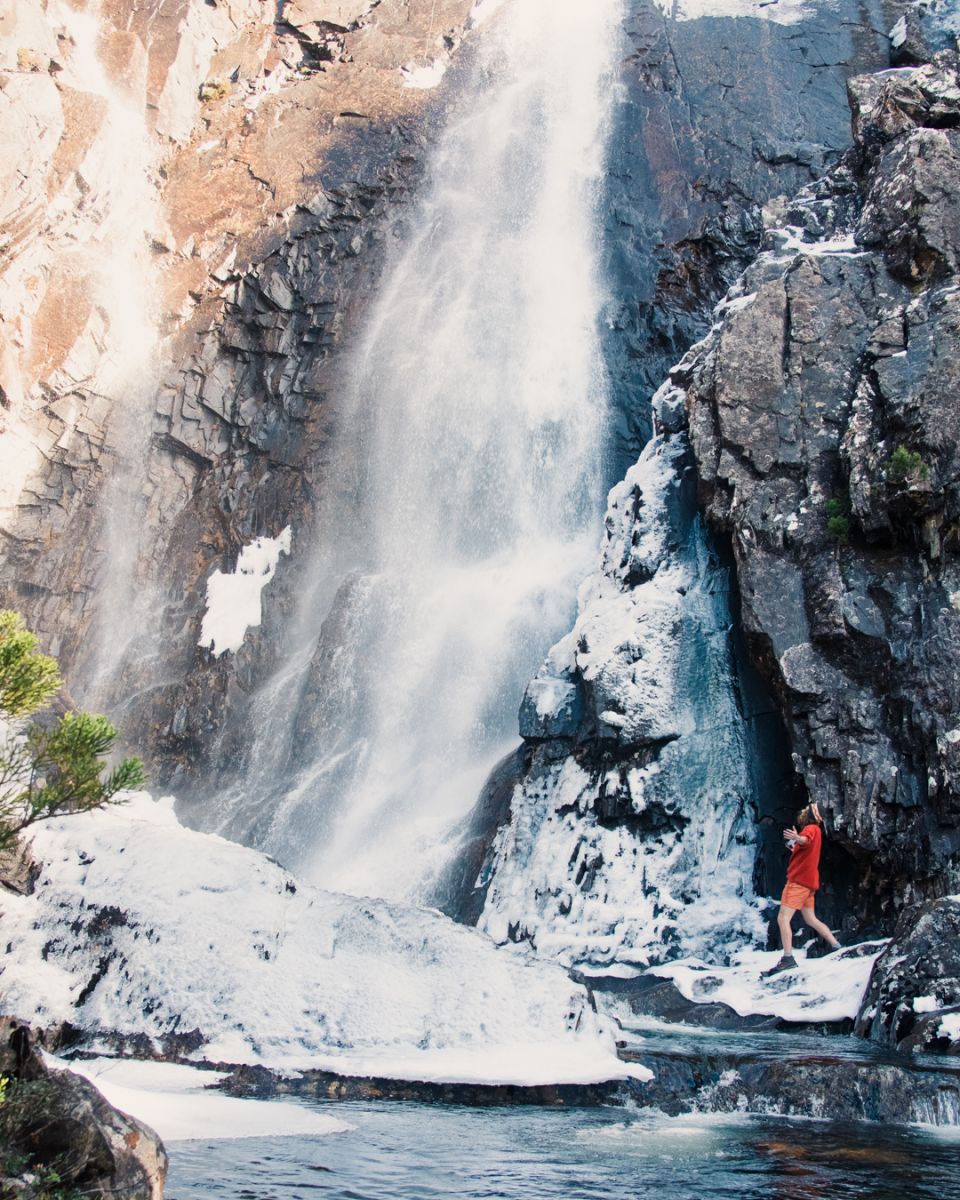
point(477, 416)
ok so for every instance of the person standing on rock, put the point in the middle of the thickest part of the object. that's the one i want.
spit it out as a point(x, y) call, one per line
point(803, 880)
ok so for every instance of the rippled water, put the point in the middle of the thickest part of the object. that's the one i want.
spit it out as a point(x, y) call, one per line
point(421, 1152)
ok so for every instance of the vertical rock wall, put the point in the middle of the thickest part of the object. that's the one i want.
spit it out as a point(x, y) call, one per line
point(822, 411)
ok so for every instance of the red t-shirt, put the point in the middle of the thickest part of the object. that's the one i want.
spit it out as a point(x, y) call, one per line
point(804, 865)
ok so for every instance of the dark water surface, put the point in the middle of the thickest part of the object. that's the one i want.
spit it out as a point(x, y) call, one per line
point(406, 1151)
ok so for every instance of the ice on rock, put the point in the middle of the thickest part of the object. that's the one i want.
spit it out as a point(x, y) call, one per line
point(820, 989)
point(653, 855)
point(140, 926)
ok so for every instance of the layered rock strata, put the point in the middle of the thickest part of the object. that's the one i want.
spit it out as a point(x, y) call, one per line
point(161, 156)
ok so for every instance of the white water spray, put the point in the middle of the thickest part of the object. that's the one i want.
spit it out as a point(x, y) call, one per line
point(477, 414)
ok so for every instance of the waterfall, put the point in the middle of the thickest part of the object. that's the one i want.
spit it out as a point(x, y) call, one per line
point(472, 448)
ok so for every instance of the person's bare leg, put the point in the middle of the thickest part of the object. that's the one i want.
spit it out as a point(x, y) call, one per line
point(784, 917)
point(815, 923)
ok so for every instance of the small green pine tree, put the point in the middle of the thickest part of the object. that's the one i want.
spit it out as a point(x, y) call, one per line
point(838, 518)
point(903, 463)
point(47, 770)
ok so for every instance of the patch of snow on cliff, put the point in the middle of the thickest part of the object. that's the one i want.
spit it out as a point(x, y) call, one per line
point(819, 989)
point(233, 599)
point(140, 926)
point(425, 77)
point(790, 240)
point(950, 1027)
point(178, 1102)
point(781, 12)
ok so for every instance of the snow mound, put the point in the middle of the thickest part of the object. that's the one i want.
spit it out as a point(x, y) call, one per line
point(177, 1102)
point(820, 989)
point(139, 926)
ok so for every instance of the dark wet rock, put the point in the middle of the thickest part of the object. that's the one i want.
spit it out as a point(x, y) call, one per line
point(325, 1085)
point(913, 999)
point(832, 1085)
point(67, 1132)
point(462, 888)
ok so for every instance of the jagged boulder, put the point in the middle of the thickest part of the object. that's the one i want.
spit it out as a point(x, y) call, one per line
point(912, 1001)
point(912, 145)
point(55, 1125)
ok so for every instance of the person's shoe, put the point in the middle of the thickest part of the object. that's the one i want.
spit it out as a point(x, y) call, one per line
point(786, 963)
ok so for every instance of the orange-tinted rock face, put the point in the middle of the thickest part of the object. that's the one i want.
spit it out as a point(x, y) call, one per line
point(236, 112)
point(148, 148)
point(155, 153)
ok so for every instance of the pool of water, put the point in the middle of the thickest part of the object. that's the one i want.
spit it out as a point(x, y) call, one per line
point(406, 1151)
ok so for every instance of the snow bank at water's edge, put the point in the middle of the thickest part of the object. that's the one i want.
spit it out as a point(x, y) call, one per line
point(177, 1102)
point(139, 926)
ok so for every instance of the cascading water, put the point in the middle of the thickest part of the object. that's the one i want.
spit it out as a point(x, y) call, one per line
point(476, 427)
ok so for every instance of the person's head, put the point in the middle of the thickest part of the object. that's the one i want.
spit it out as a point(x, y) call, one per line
point(809, 816)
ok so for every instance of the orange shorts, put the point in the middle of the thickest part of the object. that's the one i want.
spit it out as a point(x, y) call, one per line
point(795, 895)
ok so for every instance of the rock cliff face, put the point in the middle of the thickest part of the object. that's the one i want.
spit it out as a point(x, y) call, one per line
point(266, 147)
point(277, 149)
point(822, 414)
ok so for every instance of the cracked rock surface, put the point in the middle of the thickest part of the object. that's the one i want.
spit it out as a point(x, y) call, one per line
point(822, 414)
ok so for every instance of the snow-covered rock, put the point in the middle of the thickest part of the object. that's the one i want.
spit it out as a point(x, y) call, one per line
point(913, 1001)
point(819, 989)
point(632, 836)
point(138, 926)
